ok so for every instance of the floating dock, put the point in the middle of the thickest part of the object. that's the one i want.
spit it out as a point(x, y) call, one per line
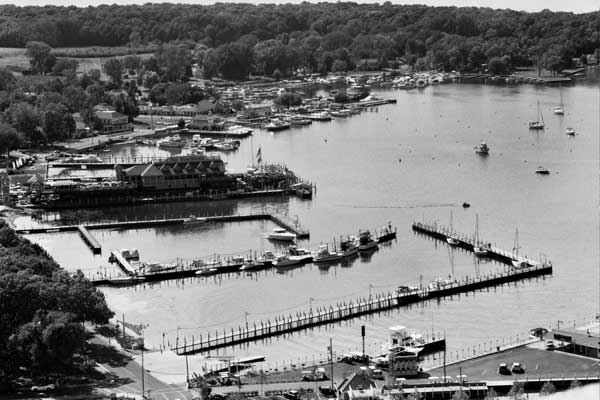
point(281, 325)
point(300, 232)
point(442, 233)
point(89, 239)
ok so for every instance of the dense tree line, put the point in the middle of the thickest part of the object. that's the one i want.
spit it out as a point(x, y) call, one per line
point(42, 309)
point(232, 39)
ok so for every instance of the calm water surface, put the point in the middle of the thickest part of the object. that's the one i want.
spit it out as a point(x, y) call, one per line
point(403, 162)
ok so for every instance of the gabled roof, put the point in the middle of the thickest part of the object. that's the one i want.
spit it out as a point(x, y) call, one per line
point(354, 381)
point(143, 170)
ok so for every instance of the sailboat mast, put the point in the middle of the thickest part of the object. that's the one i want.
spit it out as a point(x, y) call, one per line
point(252, 151)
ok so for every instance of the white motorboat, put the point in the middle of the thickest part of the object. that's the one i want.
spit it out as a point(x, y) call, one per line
point(281, 234)
point(339, 113)
point(451, 239)
point(300, 121)
point(570, 131)
point(171, 142)
point(542, 171)
point(277, 124)
point(299, 254)
point(559, 110)
point(323, 255)
point(320, 116)
point(226, 145)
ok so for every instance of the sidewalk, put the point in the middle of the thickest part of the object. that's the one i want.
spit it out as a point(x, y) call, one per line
point(100, 140)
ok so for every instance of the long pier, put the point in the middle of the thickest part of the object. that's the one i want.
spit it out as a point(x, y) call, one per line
point(89, 239)
point(281, 325)
point(442, 233)
point(300, 232)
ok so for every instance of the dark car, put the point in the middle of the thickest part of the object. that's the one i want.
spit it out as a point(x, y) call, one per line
point(503, 369)
point(517, 368)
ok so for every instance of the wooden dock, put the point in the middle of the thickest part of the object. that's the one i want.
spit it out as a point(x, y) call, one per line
point(440, 232)
point(89, 239)
point(281, 325)
point(123, 263)
point(300, 232)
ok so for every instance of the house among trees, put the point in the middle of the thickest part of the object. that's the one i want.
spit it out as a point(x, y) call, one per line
point(112, 121)
point(367, 64)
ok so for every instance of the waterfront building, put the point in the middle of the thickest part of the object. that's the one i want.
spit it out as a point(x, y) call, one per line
point(583, 341)
point(185, 172)
point(113, 121)
point(403, 362)
point(357, 386)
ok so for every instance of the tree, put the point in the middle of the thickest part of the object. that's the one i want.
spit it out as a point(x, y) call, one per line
point(26, 119)
point(7, 80)
point(236, 60)
point(288, 100)
point(547, 389)
point(516, 391)
point(339, 66)
point(132, 63)
point(9, 138)
point(460, 395)
point(40, 57)
point(57, 122)
point(113, 67)
point(181, 123)
point(496, 66)
point(64, 64)
point(175, 62)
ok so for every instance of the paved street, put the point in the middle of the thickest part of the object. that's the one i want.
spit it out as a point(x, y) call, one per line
point(128, 375)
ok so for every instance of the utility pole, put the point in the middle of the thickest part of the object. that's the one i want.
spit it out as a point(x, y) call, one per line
point(143, 386)
point(444, 364)
point(362, 332)
point(331, 359)
point(187, 370)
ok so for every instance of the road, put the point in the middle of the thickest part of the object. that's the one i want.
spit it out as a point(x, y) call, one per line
point(128, 374)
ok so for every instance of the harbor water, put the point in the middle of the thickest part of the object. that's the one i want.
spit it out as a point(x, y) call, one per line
point(403, 162)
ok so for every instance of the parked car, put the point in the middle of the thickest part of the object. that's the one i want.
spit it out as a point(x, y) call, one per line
point(503, 369)
point(550, 345)
point(43, 388)
point(517, 368)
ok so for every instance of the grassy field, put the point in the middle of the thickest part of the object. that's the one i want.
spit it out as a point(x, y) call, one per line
point(16, 58)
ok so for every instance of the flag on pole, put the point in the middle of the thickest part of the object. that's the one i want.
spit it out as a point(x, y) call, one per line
point(259, 156)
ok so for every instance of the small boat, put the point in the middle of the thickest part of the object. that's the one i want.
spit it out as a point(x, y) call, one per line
point(451, 239)
point(386, 233)
point(480, 250)
point(323, 255)
point(320, 116)
point(570, 131)
point(171, 142)
point(483, 148)
point(542, 171)
point(339, 113)
point(281, 234)
point(465, 205)
point(267, 258)
point(300, 121)
point(539, 124)
point(348, 247)
point(277, 124)
point(253, 265)
point(558, 110)
point(366, 241)
point(355, 110)
point(226, 145)
point(207, 271)
point(299, 254)
point(439, 283)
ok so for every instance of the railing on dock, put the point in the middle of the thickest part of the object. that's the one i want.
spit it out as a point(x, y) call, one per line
point(325, 315)
point(441, 232)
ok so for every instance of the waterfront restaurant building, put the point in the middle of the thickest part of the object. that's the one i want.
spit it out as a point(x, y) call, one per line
point(584, 343)
point(403, 362)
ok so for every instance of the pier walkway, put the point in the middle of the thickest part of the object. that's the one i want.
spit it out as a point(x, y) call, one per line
point(89, 239)
point(442, 233)
point(122, 262)
point(281, 325)
point(301, 233)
